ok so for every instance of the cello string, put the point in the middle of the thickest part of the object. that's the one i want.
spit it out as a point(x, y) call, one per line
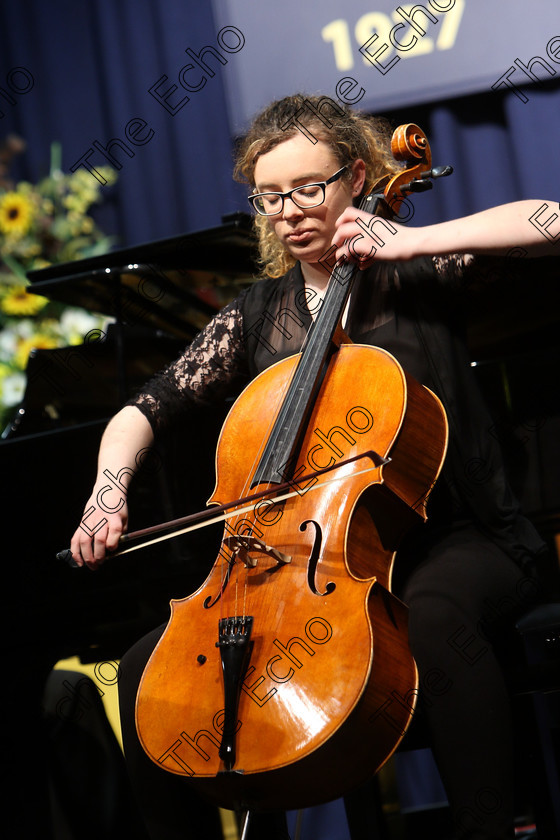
point(245, 491)
point(277, 420)
point(350, 271)
point(280, 398)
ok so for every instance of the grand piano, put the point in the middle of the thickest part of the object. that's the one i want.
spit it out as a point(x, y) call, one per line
point(159, 295)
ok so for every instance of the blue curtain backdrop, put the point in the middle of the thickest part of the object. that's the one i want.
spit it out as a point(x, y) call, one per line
point(93, 62)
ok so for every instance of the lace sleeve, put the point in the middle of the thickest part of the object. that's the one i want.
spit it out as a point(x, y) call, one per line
point(212, 367)
point(474, 271)
point(451, 268)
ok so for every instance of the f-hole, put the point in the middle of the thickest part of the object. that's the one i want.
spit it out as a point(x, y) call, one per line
point(314, 559)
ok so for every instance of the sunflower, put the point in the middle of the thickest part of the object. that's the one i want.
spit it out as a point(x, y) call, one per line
point(39, 341)
point(18, 302)
point(16, 214)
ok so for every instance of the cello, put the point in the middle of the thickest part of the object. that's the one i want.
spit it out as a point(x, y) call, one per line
point(286, 678)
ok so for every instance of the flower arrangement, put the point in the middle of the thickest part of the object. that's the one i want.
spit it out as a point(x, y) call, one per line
point(40, 225)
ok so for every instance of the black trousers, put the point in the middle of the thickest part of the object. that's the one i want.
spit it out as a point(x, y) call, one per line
point(462, 592)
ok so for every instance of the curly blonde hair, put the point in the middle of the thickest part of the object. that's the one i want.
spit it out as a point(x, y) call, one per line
point(350, 135)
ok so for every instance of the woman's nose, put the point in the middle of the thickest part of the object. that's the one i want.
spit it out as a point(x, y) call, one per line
point(291, 210)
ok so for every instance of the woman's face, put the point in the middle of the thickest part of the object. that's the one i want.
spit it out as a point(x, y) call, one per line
point(306, 233)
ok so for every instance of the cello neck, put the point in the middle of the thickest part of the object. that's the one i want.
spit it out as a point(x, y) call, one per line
point(274, 465)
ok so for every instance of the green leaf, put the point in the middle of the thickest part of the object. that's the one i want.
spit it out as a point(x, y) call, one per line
point(15, 268)
point(56, 160)
point(100, 247)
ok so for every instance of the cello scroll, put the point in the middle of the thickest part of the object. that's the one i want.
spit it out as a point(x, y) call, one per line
point(410, 145)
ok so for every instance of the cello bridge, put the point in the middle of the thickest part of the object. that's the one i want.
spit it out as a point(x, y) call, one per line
point(241, 546)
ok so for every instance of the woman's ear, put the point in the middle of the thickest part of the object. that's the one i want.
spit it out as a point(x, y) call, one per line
point(358, 177)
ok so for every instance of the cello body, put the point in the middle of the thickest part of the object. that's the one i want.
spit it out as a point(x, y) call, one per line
point(286, 678)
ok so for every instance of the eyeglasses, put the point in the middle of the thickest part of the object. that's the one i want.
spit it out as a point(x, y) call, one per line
point(309, 195)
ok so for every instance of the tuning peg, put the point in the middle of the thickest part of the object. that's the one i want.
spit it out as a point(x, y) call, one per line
point(441, 171)
point(417, 185)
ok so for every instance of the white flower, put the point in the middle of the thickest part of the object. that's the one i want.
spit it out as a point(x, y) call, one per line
point(12, 335)
point(75, 324)
point(13, 388)
point(24, 328)
point(8, 344)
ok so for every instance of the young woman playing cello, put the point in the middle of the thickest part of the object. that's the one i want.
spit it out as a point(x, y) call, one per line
point(476, 548)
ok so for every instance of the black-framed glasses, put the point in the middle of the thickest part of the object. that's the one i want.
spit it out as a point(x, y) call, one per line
point(304, 197)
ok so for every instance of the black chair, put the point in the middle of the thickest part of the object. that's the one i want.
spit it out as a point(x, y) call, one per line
point(536, 688)
point(533, 671)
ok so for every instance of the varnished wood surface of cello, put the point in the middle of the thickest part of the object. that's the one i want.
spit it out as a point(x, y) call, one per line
point(328, 685)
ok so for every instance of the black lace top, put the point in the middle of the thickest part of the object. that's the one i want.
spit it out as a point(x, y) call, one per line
point(214, 365)
point(265, 323)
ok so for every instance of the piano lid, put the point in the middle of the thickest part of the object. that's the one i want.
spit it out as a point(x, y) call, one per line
point(174, 285)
